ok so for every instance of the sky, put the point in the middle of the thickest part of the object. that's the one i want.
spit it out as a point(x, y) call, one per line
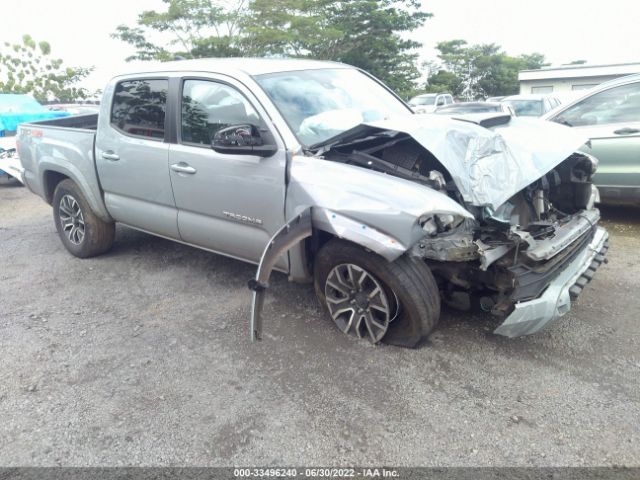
point(598, 31)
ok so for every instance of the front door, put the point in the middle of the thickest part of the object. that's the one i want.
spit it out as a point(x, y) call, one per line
point(132, 157)
point(231, 204)
point(611, 120)
point(618, 149)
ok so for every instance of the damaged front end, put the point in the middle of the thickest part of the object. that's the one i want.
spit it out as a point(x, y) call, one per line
point(504, 216)
point(525, 268)
point(531, 242)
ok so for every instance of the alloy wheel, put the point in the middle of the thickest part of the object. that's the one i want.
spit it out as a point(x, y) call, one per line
point(357, 302)
point(71, 219)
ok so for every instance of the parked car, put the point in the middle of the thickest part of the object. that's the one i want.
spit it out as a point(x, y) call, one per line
point(609, 115)
point(14, 109)
point(9, 163)
point(318, 170)
point(428, 102)
point(474, 107)
point(74, 108)
point(531, 105)
point(18, 108)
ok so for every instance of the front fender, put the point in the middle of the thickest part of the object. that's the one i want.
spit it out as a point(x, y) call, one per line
point(301, 227)
point(377, 211)
point(390, 205)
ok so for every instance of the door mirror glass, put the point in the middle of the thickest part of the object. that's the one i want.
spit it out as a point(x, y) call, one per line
point(243, 139)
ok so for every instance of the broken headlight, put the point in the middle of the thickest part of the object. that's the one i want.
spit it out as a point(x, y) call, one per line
point(441, 222)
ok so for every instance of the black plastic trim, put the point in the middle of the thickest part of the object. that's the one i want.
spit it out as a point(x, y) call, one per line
point(532, 281)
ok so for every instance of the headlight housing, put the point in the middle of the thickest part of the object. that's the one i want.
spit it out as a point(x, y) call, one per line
point(440, 222)
point(594, 161)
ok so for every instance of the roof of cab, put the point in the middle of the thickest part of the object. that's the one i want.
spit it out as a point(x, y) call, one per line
point(248, 66)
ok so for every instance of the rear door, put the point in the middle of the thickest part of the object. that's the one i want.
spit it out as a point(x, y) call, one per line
point(231, 204)
point(132, 156)
point(611, 120)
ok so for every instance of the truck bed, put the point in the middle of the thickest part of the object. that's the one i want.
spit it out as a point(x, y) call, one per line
point(83, 122)
point(61, 146)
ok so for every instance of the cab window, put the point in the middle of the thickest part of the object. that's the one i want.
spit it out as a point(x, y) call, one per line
point(139, 108)
point(209, 106)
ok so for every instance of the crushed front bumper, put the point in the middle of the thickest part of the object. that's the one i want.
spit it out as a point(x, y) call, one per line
point(533, 315)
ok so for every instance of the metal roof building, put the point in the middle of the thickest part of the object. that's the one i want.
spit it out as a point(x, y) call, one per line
point(569, 78)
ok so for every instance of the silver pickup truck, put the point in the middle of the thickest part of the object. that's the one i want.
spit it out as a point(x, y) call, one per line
point(318, 170)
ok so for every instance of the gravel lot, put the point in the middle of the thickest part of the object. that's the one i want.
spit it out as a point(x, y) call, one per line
point(141, 357)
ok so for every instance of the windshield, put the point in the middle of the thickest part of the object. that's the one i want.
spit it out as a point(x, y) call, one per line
point(526, 108)
point(320, 104)
point(422, 100)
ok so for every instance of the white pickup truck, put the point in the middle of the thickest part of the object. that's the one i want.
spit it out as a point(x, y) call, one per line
point(318, 170)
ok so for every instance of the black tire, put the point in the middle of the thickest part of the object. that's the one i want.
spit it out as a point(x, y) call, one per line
point(407, 279)
point(97, 236)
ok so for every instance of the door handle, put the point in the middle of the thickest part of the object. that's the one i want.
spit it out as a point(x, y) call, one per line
point(110, 155)
point(183, 168)
point(626, 131)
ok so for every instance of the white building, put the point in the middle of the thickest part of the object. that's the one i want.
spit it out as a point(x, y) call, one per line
point(569, 78)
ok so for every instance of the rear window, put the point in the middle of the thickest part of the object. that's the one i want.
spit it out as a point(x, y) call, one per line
point(139, 108)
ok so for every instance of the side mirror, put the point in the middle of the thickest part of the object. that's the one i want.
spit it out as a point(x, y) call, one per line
point(243, 139)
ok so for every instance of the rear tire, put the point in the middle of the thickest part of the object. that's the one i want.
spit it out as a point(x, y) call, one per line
point(82, 232)
point(409, 290)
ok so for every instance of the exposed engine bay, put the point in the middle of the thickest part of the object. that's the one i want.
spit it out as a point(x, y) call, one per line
point(504, 255)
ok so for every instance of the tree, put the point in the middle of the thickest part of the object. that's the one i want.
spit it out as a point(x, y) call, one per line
point(195, 28)
point(444, 81)
point(28, 67)
point(479, 71)
point(365, 33)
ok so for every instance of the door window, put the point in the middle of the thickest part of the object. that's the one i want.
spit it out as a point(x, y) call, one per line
point(210, 106)
point(139, 108)
point(615, 105)
point(440, 101)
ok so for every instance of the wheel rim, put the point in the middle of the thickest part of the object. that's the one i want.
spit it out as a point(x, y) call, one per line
point(71, 219)
point(357, 302)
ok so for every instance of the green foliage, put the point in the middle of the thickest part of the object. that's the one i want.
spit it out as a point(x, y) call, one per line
point(27, 67)
point(195, 28)
point(365, 33)
point(444, 81)
point(479, 71)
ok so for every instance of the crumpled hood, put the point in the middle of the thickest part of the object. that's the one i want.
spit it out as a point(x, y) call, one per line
point(490, 166)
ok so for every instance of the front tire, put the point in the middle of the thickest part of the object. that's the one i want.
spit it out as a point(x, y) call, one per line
point(82, 232)
point(365, 295)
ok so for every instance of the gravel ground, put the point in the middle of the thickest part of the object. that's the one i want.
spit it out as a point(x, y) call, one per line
point(141, 357)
